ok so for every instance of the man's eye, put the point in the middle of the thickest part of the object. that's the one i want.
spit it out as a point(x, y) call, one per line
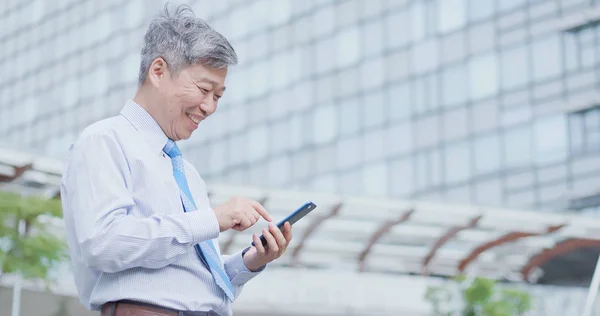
point(204, 90)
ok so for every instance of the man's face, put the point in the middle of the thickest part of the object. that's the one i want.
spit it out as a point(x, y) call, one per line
point(188, 98)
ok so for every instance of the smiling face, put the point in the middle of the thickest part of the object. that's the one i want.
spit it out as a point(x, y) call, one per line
point(187, 98)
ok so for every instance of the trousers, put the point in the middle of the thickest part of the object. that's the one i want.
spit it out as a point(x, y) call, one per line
point(132, 308)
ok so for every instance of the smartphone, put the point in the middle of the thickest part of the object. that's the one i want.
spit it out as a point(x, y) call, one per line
point(292, 218)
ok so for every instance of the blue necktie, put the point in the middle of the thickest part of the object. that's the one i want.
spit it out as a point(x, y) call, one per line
point(205, 249)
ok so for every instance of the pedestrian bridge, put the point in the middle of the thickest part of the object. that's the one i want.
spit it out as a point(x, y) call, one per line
point(359, 255)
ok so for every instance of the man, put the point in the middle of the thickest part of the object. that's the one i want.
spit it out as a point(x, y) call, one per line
point(141, 232)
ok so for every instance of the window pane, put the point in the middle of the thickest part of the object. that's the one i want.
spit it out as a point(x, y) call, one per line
point(258, 137)
point(548, 58)
point(571, 51)
point(373, 38)
point(350, 116)
point(425, 56)
point(401, 177)
point(417, 16)
point(454, 90)
point(480, 9)
point(550, 139)
point(325, 124)
point(399, 139)
point(375, 111)
point(399, 100)
point(515, 67)
point(518, 147)
point(375, 179)
point(451, 15)
point(457, 162)
point(397, 29)
point(576, 131)
point(421, 171)
point(348, 47)
point(483, 76)
point(506, 5)
point(592, 130)
point(487, 154)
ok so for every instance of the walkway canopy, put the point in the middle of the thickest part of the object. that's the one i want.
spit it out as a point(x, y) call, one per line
point(379, 235)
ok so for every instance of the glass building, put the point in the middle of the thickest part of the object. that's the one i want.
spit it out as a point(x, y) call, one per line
point(491, 102)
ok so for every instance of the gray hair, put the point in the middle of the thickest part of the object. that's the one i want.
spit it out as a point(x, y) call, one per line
point(182, 40)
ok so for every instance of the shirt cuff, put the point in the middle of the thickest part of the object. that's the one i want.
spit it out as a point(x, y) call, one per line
point(237, 271)
point(204, 225)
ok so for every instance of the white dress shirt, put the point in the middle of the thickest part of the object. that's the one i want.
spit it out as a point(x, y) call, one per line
point(128, 235)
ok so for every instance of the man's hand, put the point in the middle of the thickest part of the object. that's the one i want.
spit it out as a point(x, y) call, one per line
point(240, 213)
point(277, 242)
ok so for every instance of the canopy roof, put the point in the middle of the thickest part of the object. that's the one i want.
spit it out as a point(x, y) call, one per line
point(375, 234)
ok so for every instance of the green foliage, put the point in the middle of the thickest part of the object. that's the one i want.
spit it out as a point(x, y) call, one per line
point(35, 252)
point(480, 297)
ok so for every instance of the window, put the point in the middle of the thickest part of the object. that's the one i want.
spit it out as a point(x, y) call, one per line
point(425, 94)
point(399, 139)
point(584, 131)
point(480, 9)
point(349, 152)
point(425, 56)
point(324, 124)
point(418, 12)
point(374, 145)
point(550, 139)
point(348, 47)
point(487, 154)
point(451, 15)
point(400, 101)
point(457, 162)
point(350, 116)
point(454, 90)
point(515, 67)
point(506, 5)
point(325, 58)
point(398, 28)
point(548, 58)
point(375, 179)
point(517, 146)
point(483, 76)
point(372, 73)
point(373, 38)
point(401, 177)
point(375, 108)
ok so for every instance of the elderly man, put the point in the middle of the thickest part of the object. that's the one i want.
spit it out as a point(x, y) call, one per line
point(141, 232)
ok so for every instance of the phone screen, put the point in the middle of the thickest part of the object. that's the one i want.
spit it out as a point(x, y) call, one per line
point(292, 218)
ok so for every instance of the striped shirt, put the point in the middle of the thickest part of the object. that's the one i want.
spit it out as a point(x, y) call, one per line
point(128, 235)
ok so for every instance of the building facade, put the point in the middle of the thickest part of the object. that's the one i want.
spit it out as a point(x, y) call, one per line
point(471, 101)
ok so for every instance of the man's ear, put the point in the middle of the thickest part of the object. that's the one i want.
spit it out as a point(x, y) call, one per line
point(158, 71)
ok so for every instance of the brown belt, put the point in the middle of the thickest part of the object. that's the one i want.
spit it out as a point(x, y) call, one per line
point(129, 308)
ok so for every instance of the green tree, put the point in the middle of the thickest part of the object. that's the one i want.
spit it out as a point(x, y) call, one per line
point(35, 252)
point(479, 297)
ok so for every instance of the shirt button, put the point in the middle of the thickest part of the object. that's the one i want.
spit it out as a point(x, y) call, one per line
point(237, 270)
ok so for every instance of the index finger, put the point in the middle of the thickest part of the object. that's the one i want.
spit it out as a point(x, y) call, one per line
point(261, 210)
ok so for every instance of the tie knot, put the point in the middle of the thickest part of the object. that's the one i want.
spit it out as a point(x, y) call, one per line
point(171, 149)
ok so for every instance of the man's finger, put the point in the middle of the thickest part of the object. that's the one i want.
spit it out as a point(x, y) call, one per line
point(281, 242)
point(261, 210)
point(287, 231)
point(258, 245)
point(271, 243)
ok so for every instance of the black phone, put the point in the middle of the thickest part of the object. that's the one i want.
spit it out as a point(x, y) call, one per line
point(292, 218)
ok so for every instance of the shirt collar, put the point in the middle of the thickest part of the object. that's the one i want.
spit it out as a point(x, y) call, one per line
point(146, 124)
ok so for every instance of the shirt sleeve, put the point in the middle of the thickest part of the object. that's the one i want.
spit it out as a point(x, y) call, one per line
point(95, 193)
point(237, 271)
